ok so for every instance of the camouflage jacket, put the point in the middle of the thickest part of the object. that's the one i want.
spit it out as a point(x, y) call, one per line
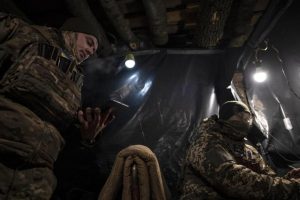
point(220, 165)
point(30, 75)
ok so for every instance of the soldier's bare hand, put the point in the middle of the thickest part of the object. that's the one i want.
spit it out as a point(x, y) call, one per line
point(92, 122)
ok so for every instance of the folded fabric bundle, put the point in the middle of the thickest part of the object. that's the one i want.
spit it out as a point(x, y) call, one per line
point(136, 174)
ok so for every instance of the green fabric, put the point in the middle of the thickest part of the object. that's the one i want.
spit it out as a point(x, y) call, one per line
point(37, 104)
point(35, 183)
point(34, 81)
point(80, 25)
point(230, 108)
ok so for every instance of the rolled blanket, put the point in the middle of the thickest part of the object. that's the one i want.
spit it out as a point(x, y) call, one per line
point(139, 161)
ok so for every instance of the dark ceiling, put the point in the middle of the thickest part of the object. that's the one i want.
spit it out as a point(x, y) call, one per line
point(146, 24)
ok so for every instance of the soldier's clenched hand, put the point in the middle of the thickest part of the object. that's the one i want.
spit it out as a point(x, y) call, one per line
point(92, 122)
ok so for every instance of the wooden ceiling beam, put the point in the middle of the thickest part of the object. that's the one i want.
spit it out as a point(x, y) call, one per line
point(261, 5)
point(173, 17)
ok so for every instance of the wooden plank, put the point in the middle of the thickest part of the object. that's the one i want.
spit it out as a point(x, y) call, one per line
point(192, 5)
point(255, 19)
point(138, 22)
point(173, 17)
point(261, 5)
point(172, 29)
point(128, 7)
point(172, 3)
point(190, 14)
point(132, 6)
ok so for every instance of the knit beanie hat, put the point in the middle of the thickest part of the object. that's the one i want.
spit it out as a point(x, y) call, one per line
point(80, 25)
point(231, 108)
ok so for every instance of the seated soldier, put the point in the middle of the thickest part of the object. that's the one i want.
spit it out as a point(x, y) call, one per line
point(40, 84)
point(220, 165)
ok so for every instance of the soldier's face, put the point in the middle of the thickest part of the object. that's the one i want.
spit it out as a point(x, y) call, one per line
point(241, 121)
point(246, 118)
point(86, 45)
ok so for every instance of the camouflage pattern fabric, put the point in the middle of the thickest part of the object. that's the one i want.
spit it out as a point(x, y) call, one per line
point(32, 80)
point(28, 149)
point(220, 165)
point(26, 184)
point(37, 104)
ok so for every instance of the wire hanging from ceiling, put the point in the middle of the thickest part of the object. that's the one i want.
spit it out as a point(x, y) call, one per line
point(283, 69)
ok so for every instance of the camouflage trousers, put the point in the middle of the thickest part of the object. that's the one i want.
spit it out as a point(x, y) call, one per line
point(28, 149)
point(26, 184)
point(195, 189)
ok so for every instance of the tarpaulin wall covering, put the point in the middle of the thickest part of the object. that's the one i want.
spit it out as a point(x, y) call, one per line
point(181, 93)
point(169, 92)
point(278, 97)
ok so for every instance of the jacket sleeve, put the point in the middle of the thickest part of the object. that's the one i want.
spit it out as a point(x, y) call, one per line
point(14, 35)
point(221, 171)
point(8, 26)
point(264, 168)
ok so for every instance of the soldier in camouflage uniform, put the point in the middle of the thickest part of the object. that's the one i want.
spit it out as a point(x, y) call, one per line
point(220, 165)
point(39, 95)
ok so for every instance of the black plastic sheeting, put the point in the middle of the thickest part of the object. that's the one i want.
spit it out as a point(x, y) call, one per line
point(279, 96)
point(169, 92)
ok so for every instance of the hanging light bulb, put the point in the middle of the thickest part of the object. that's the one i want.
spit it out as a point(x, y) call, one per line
point(260, 75)
point(286, 120)
point(287, 123)
point(129, 60)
